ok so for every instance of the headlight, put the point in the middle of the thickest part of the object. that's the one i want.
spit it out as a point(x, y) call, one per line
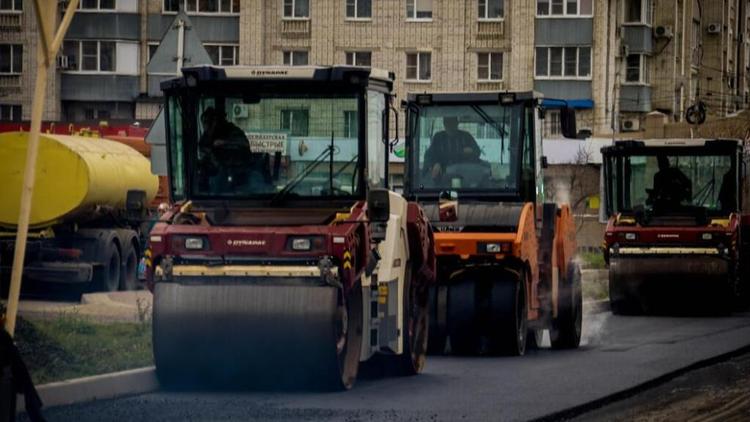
point(707, 236)
point(301, 244)
point(194, 243)
point(630, 236)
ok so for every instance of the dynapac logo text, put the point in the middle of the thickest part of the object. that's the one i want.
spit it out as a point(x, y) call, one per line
point(244, 242)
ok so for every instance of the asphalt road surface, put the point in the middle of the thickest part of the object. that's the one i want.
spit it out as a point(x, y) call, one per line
point(619, 353)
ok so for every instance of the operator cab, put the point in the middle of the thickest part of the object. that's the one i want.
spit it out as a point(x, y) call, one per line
point(260, 137)
point(692, 180)
point(481, 146)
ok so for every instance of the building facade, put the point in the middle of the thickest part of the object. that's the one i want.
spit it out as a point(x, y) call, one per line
point(613, 60)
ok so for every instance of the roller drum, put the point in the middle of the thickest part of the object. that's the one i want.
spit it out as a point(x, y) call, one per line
point(647, 283)
point(255, 335)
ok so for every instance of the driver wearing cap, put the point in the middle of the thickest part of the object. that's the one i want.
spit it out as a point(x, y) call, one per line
point(450, 146)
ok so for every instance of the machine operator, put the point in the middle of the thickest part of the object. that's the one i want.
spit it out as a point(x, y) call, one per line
point(671, 186)
point(449, 146)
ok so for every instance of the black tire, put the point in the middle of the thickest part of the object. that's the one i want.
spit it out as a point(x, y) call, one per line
point(415, 329)
point(350, 343)
point(566, 328)
point(463, 330)
point(129, 272)
point(107, 276)
point(509, 315)
point(437, 332)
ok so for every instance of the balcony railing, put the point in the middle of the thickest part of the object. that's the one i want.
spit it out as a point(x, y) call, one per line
point(10, 21)
point(295, 27)
point(490, 29)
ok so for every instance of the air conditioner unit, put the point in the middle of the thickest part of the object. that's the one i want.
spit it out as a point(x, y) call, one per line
point(239, 111)
point(630, 125)
point(663, 31)
point(713, 28)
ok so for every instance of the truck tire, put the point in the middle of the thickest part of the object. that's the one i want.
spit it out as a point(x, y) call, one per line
point(437, 331)
point(415, 328)
point(565, 332)
point(463, 331)
point(129, 271)
point(107, 276)
point(509, 315)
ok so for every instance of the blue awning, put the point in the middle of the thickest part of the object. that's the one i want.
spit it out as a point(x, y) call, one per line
point(580, 104)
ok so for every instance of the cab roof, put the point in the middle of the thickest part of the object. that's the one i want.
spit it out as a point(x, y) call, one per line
point(477, 96)
point(337, 73)
point(676, 145)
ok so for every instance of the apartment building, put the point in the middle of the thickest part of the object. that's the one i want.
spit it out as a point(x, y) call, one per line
point(613, 60)
point(102, 64)
point(675, 54)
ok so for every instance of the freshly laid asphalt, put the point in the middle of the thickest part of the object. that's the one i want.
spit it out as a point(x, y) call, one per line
point(618, 353)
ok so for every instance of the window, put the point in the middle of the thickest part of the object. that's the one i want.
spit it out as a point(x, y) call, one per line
point(552, 123)
point(11, 59)
point(11, 5)
point(296, 58)
point(359, 9)
point(96, 5)
point(223, 55)
point(152, 46)
point(490, 66)
point(200, 6)
point(563, 62)
point(418, 9)
point(418, 66)
point(296, 122)
point(636, 69)
point(491, 9)
point(564, 7)
point(638, 11)
point(10, 113)
point(296, 8)
point(351, 128)
point(90, 56)
point(359, 58)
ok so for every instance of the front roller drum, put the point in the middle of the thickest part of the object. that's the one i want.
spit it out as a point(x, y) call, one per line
point(696, 283)
point(285, 336)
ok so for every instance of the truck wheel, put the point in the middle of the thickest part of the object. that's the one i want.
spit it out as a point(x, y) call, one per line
point(437, 335)
point(566, 328)
point(462, 327)
point(107, 277)
point(129, 274)
point(509, 315)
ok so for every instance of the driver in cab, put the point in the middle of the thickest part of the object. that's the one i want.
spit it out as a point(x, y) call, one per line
point(449, 146)
point(225, 151)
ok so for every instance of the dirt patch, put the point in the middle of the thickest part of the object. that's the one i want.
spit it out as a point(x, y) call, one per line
point(720, 392)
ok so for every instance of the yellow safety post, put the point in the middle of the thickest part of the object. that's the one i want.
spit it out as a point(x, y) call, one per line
point(46, 17)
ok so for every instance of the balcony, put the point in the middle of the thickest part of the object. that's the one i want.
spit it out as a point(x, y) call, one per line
point(295, 28)
point(10, 21)
point(490, 29)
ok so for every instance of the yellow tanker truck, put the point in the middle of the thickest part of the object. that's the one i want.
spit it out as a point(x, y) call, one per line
point(88, 214)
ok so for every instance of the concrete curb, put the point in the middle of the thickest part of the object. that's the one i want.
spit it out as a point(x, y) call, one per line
point(97, 387)
point(596, 306)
